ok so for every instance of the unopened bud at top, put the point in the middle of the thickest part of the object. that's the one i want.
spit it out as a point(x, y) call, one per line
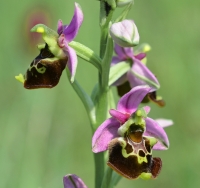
point(125, 33)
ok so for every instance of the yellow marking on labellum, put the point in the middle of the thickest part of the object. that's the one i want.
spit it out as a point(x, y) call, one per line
point(40, 30)
point(126, 155)
point(152, 140)
point(40, 70)
point(142, 159)
point(20, 78)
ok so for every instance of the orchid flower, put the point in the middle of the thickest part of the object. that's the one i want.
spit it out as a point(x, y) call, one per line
point(138, 74)
point(130, 136)
point(73, 181)
point(55, 54)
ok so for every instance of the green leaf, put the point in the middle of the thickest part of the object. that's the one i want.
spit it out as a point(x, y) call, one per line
point(87, 54)
point(116, 71)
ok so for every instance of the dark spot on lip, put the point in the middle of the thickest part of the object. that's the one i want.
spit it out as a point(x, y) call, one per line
point(141, 153)
point(128, 148)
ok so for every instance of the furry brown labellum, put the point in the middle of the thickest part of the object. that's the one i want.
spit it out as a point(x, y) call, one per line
point(45, 70)
point(131, 156)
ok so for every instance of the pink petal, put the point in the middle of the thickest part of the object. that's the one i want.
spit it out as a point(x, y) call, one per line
point(123, 53)
point(72, 60)
point(147, 109)
point(129, 52)
point(165, 122)
point(122, 118)
point(115, 60)
point(104, 134)
point(71, 31)
point(134, 81)
point(140, 56)
point(153, 129)
point(129, 103)
point(141, 70)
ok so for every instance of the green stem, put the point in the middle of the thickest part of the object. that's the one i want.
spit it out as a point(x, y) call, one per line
point(102, 102)
point(106, 63)
point(106, 183)
point(99, 168)
point(86, 100)
point(106, 50)
point(112, 104)
point(104, 24)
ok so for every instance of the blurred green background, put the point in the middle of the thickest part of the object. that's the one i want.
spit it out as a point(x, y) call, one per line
point(45, 133)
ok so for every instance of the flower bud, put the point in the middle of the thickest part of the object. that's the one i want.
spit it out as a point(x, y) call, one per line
point(125, 33)
point(73, 181)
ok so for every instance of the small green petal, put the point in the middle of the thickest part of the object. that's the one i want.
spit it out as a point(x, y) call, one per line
point(20, 78)
point(145, 176)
